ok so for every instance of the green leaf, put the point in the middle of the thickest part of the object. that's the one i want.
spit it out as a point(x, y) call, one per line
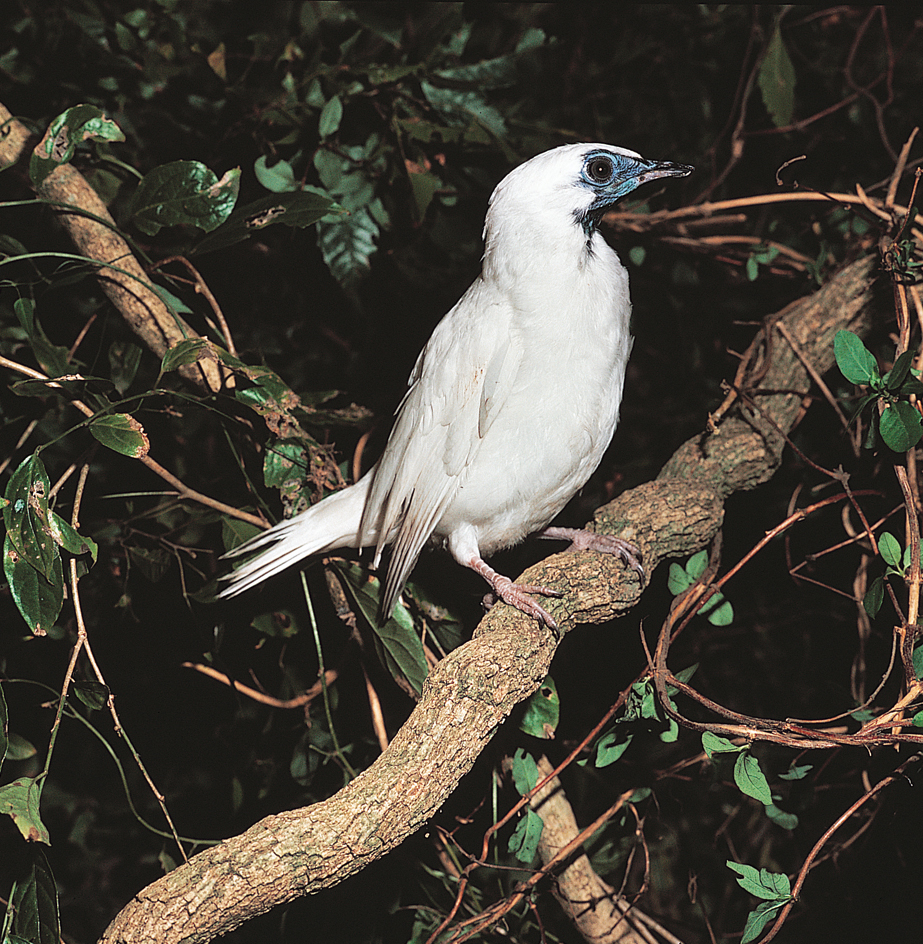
point(874, 597)
point(122, 433)
point(4, 727)
point(678, 581)
point(154, 562)
point(797, 772)
point(183, 192)
point(637, 255)
point(761, 915)
point(93, 694)
point(854, 359)
point(301, 209)
point(24, 308)
point(901, 426)
point(771, 886)
point(780, 817)
point(285, 464)
point(423, 187)
point(72, 541)
point(750, 778)
point(525, 771)
point(183, 353)
point(20, 748)
point(330, 117)
point(696, 564)
point(917, 660)
point(890, 549)
point(718, 610)
point(34, 904)
point(38, 599)
point(280, 178)
point(894, 379)
point(776, 81)
point(461, 106)
point(610, 748)
point(542, 711)
point(26, 516)
point(124, 360)
point(20, 801)
point(524, 842)
point(70, 128)
point(347, 246)
point(397, 641)
point(712, 744)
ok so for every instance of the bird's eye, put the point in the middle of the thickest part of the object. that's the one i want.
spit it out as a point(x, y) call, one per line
point(599, 170)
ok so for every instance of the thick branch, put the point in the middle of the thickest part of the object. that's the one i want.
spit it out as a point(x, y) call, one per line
point(471, 691)
point(127, 285)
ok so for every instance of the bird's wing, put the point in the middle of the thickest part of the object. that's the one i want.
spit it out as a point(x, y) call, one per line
point(457, 387)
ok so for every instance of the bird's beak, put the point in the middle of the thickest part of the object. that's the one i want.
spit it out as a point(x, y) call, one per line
point(663, 169)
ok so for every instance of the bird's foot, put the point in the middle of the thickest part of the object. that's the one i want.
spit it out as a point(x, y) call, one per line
point(583, 540)
point(518, 595)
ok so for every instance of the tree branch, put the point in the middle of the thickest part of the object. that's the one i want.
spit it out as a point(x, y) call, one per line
point(469, 694)
point(120, 273)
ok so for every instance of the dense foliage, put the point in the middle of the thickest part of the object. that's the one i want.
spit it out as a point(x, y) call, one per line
point(305, 183)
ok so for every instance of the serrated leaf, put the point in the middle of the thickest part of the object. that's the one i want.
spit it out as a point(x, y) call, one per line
point(854, 359)
point(347, 246)
point(183, 353)
point(524, 842)
point(122, 433)
point(776, 81)
point(34, 905)
point(38, 599)
point(330, 117)
point(901, 426)
point(610, 748)
point(750, 778)
point(183, 192)
point(70, 128)
point(542, 711)
point(20, 801)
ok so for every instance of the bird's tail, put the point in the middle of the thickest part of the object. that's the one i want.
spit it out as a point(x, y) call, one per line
point(330, 524)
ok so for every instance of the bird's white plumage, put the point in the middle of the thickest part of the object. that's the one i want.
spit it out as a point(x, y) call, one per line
point(516, 395)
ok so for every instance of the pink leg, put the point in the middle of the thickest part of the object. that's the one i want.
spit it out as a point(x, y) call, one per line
point(583, 540)
point(516, 594)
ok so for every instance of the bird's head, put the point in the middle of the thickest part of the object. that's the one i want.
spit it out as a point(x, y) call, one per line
point(575, 184)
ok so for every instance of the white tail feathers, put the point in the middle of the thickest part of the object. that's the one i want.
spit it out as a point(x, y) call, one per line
point(330, 524)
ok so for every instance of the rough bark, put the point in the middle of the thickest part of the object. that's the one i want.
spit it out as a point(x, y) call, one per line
point(471, 691)
point(127, 285)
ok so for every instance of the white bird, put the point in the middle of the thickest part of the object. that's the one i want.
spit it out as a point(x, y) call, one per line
point(512, 402)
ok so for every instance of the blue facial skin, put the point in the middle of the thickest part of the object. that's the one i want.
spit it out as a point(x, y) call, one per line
point(611, 176)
